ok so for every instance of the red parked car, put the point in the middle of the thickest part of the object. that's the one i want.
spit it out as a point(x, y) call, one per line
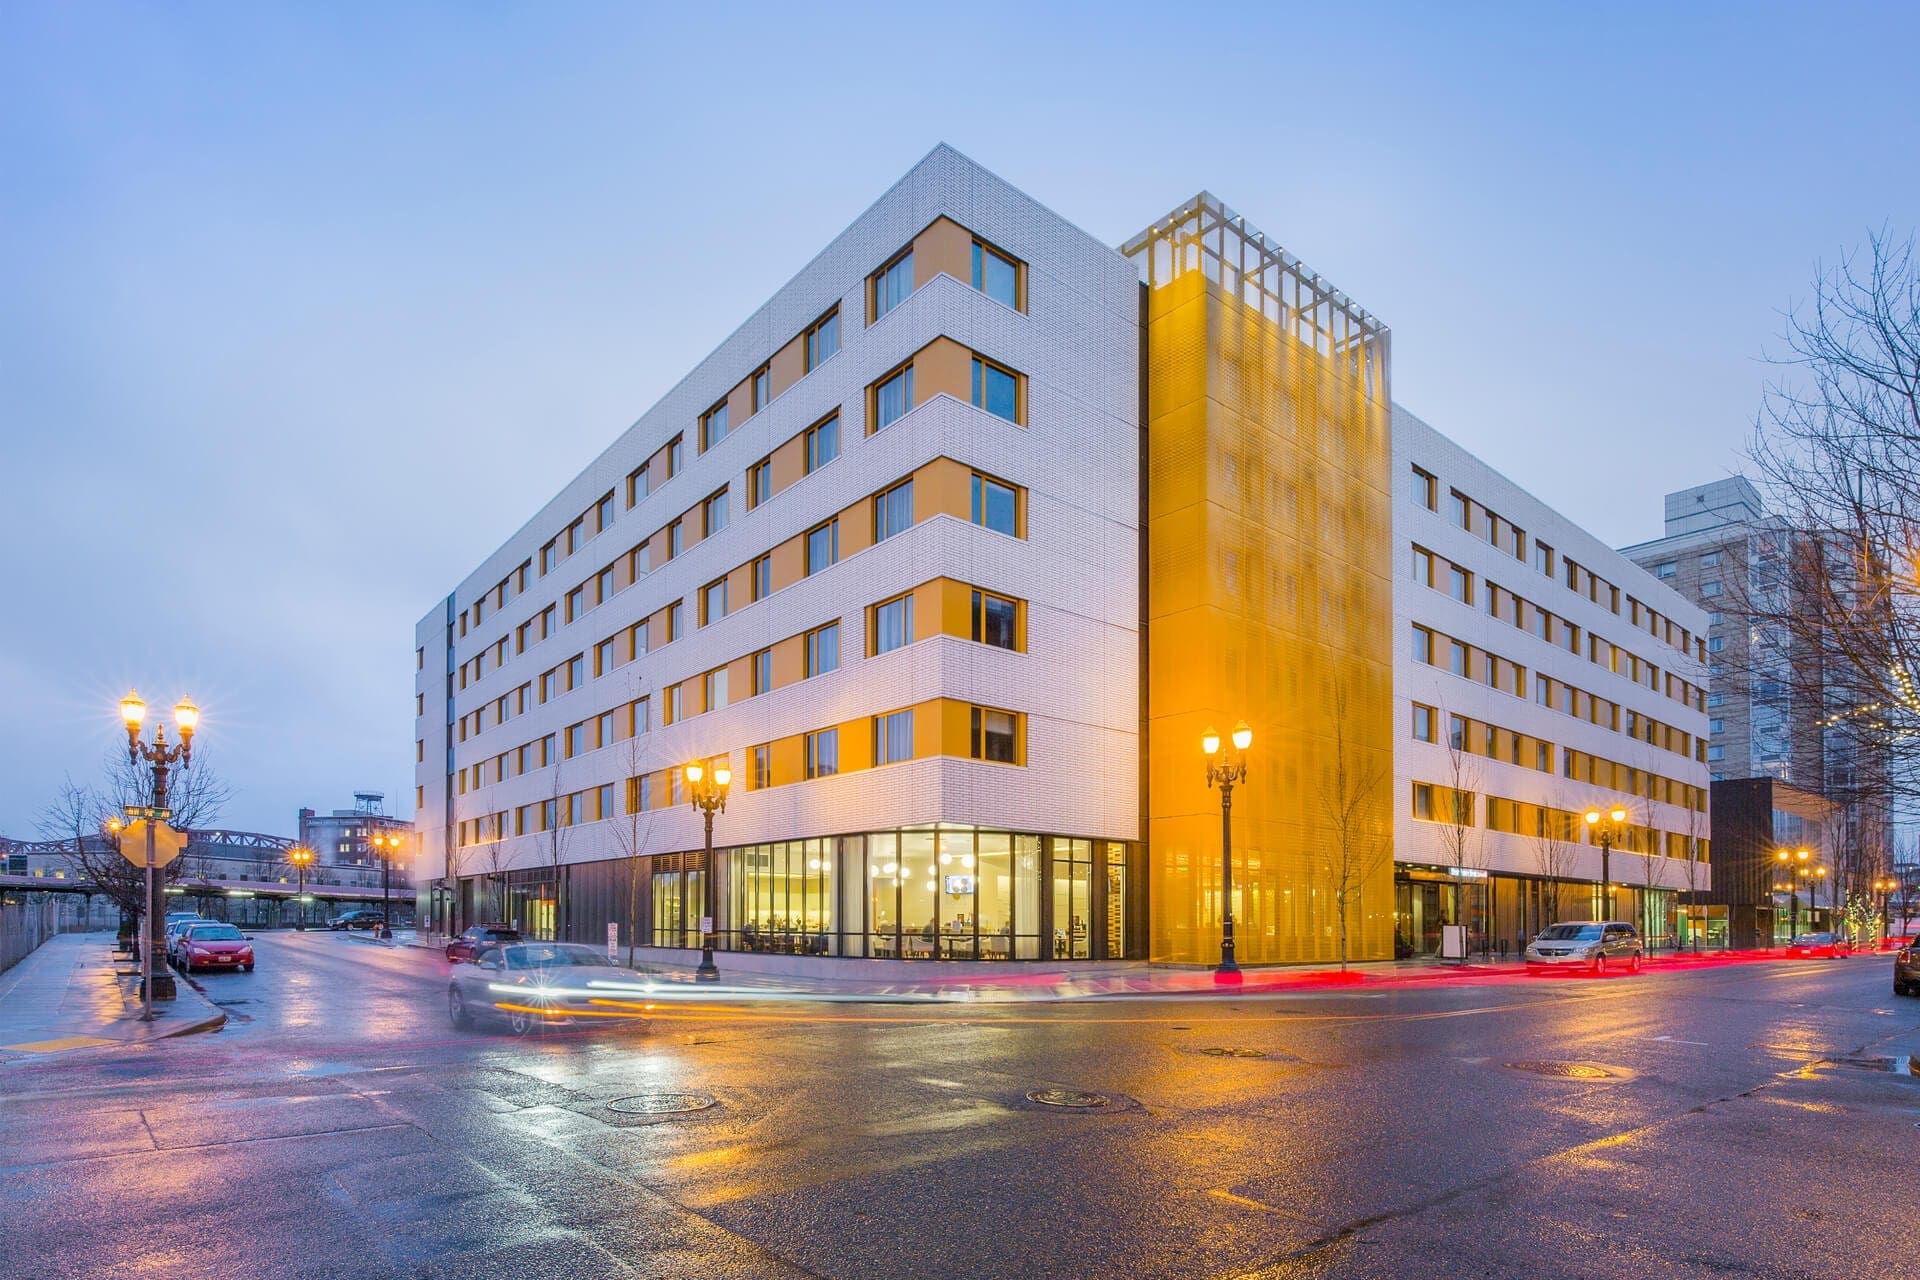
point(1820, 946)
point(474, 940)
point(212, 944)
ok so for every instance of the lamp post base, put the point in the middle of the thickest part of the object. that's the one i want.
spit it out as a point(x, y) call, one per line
point(163, 986)
point(385, 934)
point(708, 971)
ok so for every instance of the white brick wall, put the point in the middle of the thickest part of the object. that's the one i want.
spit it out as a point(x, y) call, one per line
point(1078, 457)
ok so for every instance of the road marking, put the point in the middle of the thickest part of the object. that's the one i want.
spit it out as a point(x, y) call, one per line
point(1670, 1040)
point(56, 1046)
point(1220, 1193)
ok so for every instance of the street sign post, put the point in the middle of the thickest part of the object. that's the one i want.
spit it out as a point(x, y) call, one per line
point(613, 942)
point(165, 845)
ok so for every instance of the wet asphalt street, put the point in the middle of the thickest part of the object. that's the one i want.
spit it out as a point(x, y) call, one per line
point(340, 1127)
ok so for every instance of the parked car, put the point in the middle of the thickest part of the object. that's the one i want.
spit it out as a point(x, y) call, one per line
point(1820, 946)
point(1595, 945)
point(480, 936)
point(175, 922)
point(535, 984)
point(1906, 969)
point(213, 944)
point(359, 918)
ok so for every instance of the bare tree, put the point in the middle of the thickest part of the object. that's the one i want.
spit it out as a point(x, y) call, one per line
point(1653, 872)
point(496, 861)
point(633, 831)
point(1460, 838)
point(1358, 847)
point(1838, 450)
point(553, 845)
point(1696, 851)
point(78, 815)
point(1554, 852)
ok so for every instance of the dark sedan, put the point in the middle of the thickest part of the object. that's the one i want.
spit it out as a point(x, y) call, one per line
point(536, 984)
point(1906, 969)
point(478, 938)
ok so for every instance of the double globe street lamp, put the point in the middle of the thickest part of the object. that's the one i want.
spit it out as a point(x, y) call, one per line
point(386, 847)
point(162, 757)
point(1230, 768)
point(707, 790)
point(301, 857)
point(1794, 866)
point(1607, 834)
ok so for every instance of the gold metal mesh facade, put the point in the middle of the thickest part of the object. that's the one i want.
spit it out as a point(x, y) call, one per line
point(1268, 589)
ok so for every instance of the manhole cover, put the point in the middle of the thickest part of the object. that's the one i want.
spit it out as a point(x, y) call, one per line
point(1563, 1070)
point(661, 1104)
point(1216, 1051)
point(1067, 1098)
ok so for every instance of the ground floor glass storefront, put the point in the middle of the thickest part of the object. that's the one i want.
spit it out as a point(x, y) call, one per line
point(917, 893)
point(1503, 912)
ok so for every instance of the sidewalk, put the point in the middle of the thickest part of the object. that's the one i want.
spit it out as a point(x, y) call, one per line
point(70, 994)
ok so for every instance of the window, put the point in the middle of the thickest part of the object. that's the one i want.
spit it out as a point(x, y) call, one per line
point(1710, 588)
point(1461, 585)
point(713, 692)
point(675, 621)
point(603, 657)
point(762, 663)
point(1423, 566)
point(995, 505)
point(1716, 753)
point(670, 705)
point(823, 753)
point(823, 443)
point(640, 716)
point(640, 793)
point(603, 730)
point(760, 576)
point(762, 388)
point(1543, 557)
point(547, 684)
point(1716, 643)
point(576, 603)
point(1711, 560)
point(603, 514)
point(996, 390)
point(675, 541)
point(892, 283)
point(823, 546)
point(1456, 733)
point(759, 482)
point(759, 767)
point(546, 559)
point(1716, 725)
point(893, 737)
point(993, 735)
point(893, 511)
point(713, 426)
point(676, 456)
point(893, 398)
point(713, 601)
point(1426, 489)
point(576, 670)
point(1423, 801)
point(1666, 569)
point(996, 275)
point(713, 513)
point(994, 620)
point(823, 340)
point(1457, 661)
point(1422, 723)
point(823, 649)
point(893, 624)
point(603, 585)
point(576, 739)
point(1460, 509)
point(1422, 645)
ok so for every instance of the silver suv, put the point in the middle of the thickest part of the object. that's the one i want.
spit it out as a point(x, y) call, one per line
point(1594, 945)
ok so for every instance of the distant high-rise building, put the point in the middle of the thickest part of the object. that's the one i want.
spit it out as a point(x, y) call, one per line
point(341, 836)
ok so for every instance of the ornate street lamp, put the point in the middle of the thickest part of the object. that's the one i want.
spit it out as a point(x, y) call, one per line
point(1885, 886)
point(386, 847)
point(301, 857)
point(1231, 768)
point(186, 718)
point(707, 790)
point(1794, 864)
point(1608, 835)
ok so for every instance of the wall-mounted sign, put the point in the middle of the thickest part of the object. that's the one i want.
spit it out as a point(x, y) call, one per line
point(1467, 873)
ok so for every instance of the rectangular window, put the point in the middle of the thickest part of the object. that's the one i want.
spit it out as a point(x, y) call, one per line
point(1422, 723)
point(893, 737)
point(713, 691)
point(576, 603)
point(996, 506)
point(576, 739)
point(759, 482)
point(1423, 566)
point(1460, 509)
point(603, 585)
point(996, 390)
point(713, 513)
point(603, 657)
point(762, 388)
point(1426, 489)
point(640, 716)
point(576, 670)
point(823, 546)
point(1711, 560)
point(1543, 557)
point(1710, 588)
point(763, 672)
point(761, 576)
point(893, 624)
point(1422, 645)
point(676, 621)
point(823, 443)
point(994, 619)
point(993, 735)
point(759, 767)
point(636, 485)
point(676, 456)
point(1423, 801)
point(893, 511)
point(823, 340)
point(996, 275)
point(603, 730)
point(713, 601)
point(1460, 585)
point(823, 649)
point(1666, 569)
point(670, 712)
point(893, 398)
point(892, 284)
point(603, 514)
point(675, 540)
point(1457, 662)
point(823, 753)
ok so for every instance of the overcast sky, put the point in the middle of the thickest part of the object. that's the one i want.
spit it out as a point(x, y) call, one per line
point(304, 309)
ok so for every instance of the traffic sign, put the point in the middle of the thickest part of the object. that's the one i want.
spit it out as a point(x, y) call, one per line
point(167, 843)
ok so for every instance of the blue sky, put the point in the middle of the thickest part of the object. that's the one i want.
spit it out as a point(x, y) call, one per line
point(308, 308)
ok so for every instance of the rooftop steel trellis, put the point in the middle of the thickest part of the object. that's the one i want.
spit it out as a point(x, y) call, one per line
point(1205, 235)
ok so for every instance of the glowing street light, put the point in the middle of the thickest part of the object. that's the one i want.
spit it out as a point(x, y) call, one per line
point(707, 790)
point(1231, 768)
